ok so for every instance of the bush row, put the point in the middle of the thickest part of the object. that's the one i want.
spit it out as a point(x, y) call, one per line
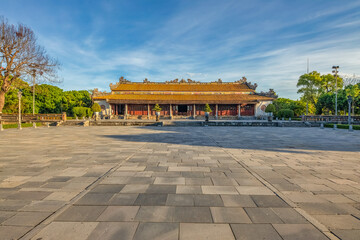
point(342, 126)
point(82, 112)
point(286, 113)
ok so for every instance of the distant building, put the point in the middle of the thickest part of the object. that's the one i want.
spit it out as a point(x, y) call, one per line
point(179, 98)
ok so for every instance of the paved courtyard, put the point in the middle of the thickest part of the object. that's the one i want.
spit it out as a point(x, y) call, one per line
point(187, 183)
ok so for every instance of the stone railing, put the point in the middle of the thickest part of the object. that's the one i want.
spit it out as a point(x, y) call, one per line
point(330, 118)
point(14, 118)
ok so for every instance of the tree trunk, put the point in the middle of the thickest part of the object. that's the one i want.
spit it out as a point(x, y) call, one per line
point(2, 100)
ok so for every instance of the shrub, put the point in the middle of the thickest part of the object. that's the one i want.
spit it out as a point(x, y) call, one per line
point(207, 108)
point(270, 108)
point(342, 126)
point(81, 111)
point(286, 113)
point(96, 107)
point(89, 112)
point(157, 108)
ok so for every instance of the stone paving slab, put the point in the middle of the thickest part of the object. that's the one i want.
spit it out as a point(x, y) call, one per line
point(179, 183)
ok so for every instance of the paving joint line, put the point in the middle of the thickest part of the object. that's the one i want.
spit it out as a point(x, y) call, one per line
point(41, 225)
point(303, 213)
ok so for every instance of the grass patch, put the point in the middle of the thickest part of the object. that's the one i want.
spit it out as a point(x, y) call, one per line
point(24, 125)
point(341, 126)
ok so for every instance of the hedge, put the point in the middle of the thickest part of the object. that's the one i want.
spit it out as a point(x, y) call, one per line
point(342, 126)
point(96, 107)
point(82, 112)
point(286, 113)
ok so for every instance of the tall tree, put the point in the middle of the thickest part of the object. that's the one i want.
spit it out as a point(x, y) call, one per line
point(21, 56)
point(354, 92)
point(310, 85)
point(328, 83)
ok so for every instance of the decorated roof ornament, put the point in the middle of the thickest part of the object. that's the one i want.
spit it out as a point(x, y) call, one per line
point(271, 93)
point(122, 80)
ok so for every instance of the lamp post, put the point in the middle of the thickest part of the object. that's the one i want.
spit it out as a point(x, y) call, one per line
point(33, 75)
point(19, 96)
point(335, 71)
point(349, 117)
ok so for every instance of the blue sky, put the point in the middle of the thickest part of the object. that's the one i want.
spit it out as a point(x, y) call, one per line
point(266, 41)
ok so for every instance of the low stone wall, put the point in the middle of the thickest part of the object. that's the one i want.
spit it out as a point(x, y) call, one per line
point(242, 123)
point(190, 123)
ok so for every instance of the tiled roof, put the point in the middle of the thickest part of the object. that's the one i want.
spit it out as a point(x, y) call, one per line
point(183, 87)
point(184, 98)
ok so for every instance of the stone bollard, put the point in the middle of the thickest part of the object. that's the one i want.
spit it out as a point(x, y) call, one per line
point(289, 118)
point(47, 124)
point(282, 119)
point(34, 124)
point(335, 126)
point(351, 128)
point(1, 126)
point(322, 126)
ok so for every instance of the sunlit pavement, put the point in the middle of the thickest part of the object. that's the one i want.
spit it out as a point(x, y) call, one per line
point(179, 183)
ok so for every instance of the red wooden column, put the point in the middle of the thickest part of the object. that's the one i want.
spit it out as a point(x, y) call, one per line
point(171, 113)
point(126, 111)
point(216, 111)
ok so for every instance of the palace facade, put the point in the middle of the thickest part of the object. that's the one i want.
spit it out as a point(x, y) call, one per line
point(184, 98)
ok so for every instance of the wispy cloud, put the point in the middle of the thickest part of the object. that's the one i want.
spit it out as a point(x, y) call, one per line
point(268, 42)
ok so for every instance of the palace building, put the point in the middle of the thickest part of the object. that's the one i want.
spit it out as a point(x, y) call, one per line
point(183, 98)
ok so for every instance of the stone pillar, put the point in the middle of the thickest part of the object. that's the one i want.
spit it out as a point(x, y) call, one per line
point(63, 117)
point(126, 111)
point(171, 114)
point(239, 111)
point(148, 111)
point(216, 111)
point(194, 111)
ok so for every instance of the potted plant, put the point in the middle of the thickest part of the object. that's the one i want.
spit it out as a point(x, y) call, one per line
point(96, 109)
point(157, 110)
point(270, 109)
point(207, 110)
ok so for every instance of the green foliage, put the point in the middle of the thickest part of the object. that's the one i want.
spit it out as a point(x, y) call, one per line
point(15, 125)
point(342, 126)
point(74, 98)
point(309, 85)
point(89, 112)
point(96, 107)
point(328, 83)
point(48, 99)
point(299, 107)
point(157, 108)
point(270, 108)
point(286, 113)
point(326, 102)
point(207, 108)
point(82, 112)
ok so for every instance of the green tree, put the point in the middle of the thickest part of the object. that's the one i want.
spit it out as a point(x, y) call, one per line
point(96, 107)
point(48, 99)
point(354, 92)
point(298, 107)
point(270, 108)
point(157, 108)
point(328, 83)
point(310, 86)
point(207, 108)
